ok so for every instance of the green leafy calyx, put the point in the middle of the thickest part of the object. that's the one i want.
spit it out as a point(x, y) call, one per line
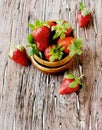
point(60, 29)
point(83, 9)
point(69, 76)
point(33, 50)
point(19, 47)
point(38, 24)
point(76, 80)
point(30, 38)
point(56, 53)
point(75, 47)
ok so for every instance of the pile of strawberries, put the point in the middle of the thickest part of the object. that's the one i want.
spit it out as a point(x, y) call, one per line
point(52, 41)
point(47, 37)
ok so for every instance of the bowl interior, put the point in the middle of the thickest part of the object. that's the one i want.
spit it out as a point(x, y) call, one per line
point(52, 64)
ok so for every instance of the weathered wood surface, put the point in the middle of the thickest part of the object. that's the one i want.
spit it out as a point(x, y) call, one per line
point(29, 99)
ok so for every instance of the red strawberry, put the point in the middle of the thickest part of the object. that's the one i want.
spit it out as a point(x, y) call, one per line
point(71, 45)
point(53, 53)
point(42, 45)
point(70, 84)
point(66, 42)
point(51, 23)
point(83, 16)
point(41, 34)
point(18, 54)
point(69, 30)
point(62, 29)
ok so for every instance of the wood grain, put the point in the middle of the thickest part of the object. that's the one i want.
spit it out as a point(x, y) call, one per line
point(29, 99)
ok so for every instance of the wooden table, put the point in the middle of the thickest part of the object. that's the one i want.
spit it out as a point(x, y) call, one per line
point(29, 99)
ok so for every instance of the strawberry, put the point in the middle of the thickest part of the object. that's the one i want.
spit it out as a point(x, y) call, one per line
point(18, 54)
point(70, 84)
point(51, 23)
point(65, 42)
point(53, 53)
point(41, 34)
point(71, 45)
point(83, 16)
point(62, 29)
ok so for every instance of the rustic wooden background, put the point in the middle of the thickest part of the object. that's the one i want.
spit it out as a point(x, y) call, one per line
point(29, 99)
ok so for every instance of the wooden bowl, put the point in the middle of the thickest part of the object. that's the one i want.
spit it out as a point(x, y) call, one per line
point(52, 64)
point(52, 67)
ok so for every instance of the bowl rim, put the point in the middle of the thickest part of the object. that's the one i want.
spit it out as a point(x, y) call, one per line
point(52, 70)
point(52, 64)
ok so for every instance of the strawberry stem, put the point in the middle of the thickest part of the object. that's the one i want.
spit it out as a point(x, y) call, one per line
point(60, 29)
point(56, 53)
point(34, 50)
point(83, 9)
point(81, 76)
point(75, 47)
point(77, 80)
point(81, 6)
point(38, 24)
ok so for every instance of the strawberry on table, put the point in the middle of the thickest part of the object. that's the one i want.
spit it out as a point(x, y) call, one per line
point(83, 16)
point(70, 84)
point(62, 29)
point(41, 34)
point(53, 53)
point(18, 54)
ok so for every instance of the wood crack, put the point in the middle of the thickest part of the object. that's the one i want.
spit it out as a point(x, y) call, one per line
point(5, 73)
point(33, 103)
point(11, 31)
point(95, 23)
point(86, 37)
point(43, 108)
point(18, 7)
point(44, 10)
point(78, 107)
